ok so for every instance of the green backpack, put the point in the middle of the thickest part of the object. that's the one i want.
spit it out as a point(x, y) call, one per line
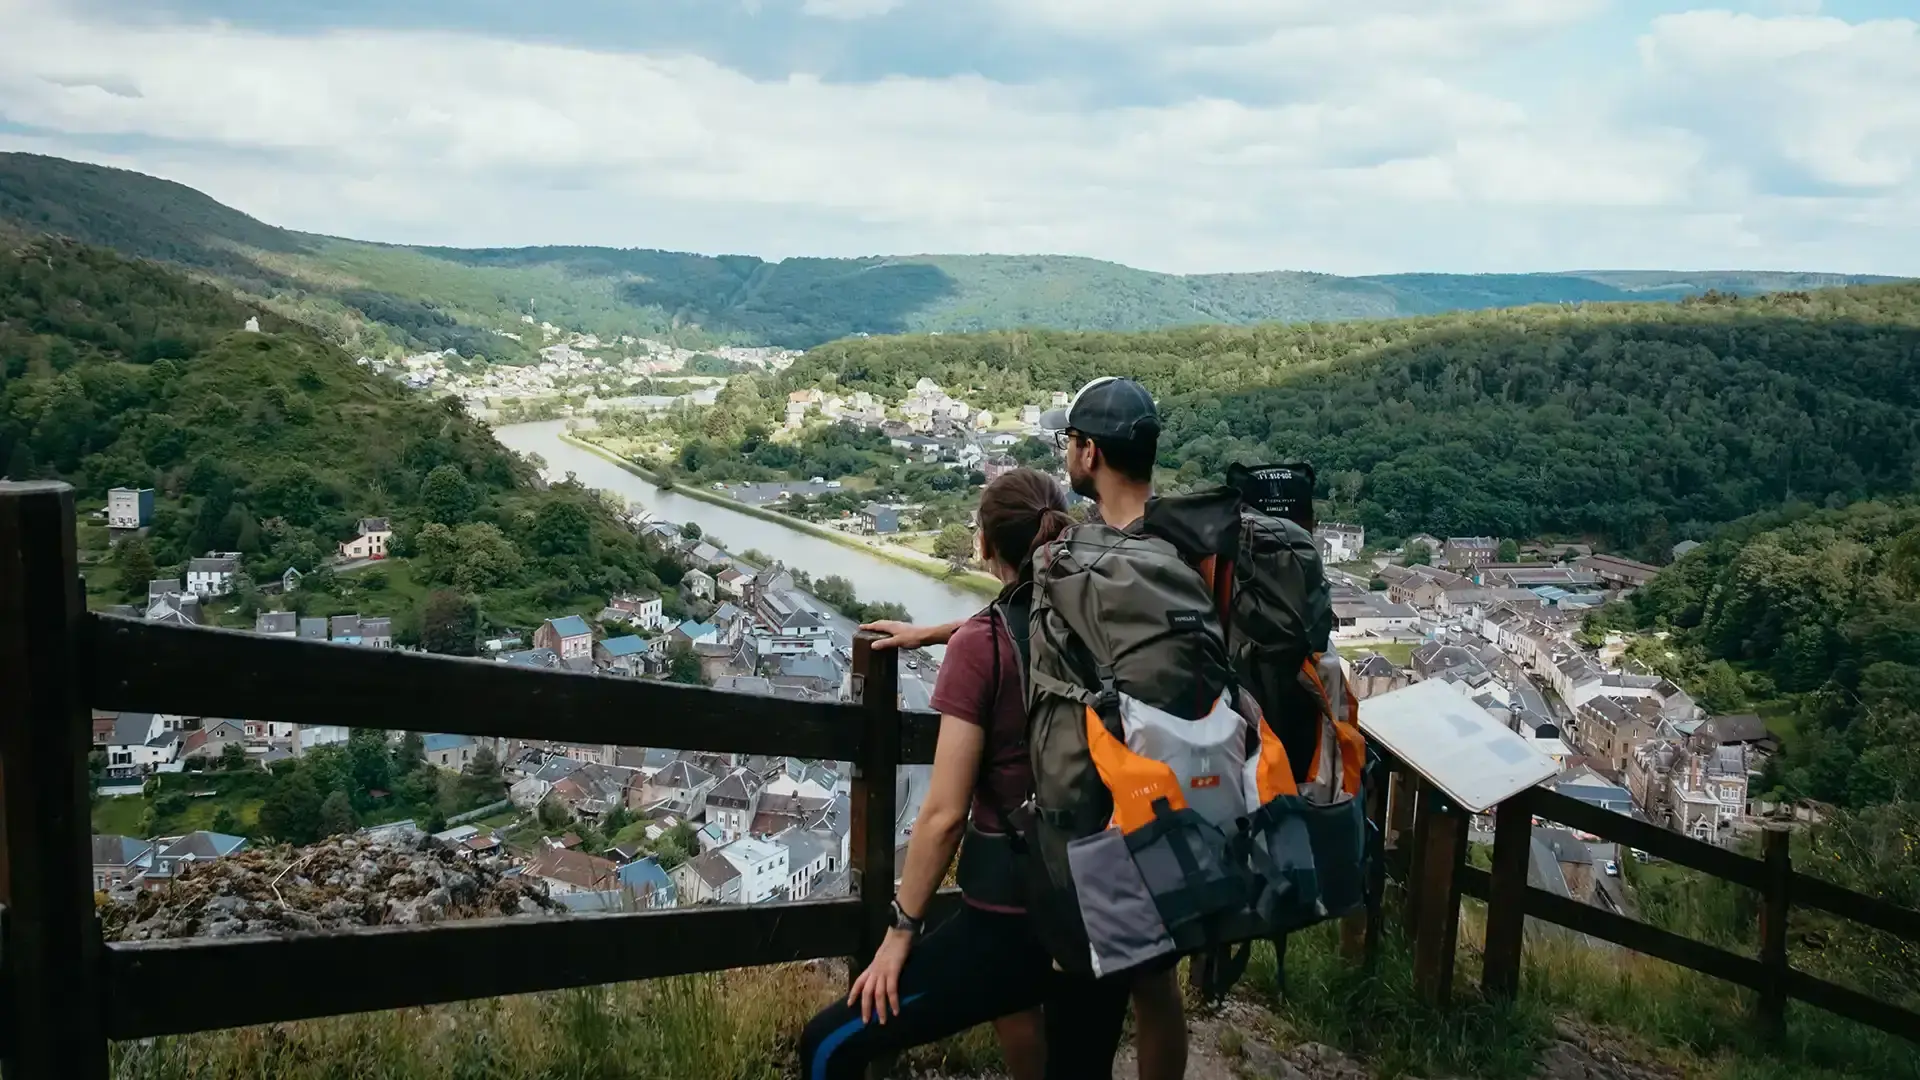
point(1167, 816)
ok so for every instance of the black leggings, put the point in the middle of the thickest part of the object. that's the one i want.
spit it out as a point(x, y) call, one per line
point(975, 967)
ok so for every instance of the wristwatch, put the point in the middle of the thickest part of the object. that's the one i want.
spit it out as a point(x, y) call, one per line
point(904, 921)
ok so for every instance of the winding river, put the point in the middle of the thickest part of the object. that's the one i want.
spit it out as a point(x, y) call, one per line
point(929, 600)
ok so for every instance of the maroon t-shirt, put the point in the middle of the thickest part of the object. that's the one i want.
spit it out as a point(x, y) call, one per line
point(963, 691)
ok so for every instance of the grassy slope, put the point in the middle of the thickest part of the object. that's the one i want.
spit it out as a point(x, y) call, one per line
point(436, 297)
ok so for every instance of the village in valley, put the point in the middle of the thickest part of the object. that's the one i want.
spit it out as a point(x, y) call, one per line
point(607, 827)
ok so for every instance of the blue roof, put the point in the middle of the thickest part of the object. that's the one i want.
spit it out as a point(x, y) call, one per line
point(697, 630)
point(570, 626)
point(1552, 594)
point(625, 646)
point(641, 873)
point(542, 658)
point(433, 744)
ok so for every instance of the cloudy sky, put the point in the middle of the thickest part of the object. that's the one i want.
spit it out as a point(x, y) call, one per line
point(1349, 136)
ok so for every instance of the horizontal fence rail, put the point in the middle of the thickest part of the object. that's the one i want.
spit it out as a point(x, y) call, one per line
point(1510, 901)
point(200, 671)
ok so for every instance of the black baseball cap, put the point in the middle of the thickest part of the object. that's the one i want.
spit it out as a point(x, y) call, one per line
point(1107, 408)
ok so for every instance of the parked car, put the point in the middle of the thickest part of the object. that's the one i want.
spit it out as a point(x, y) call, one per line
point(1612, 868)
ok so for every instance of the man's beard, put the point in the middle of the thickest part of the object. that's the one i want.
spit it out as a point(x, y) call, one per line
point(1082, 486)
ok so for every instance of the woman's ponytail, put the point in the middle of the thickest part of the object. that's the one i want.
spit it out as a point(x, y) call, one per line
point(1020, 513)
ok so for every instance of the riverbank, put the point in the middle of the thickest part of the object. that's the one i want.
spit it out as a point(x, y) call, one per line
point(903, 557)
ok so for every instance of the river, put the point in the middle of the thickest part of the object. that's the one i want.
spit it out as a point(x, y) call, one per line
point(874, 578)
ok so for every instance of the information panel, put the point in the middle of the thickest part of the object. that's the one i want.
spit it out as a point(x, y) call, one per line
point(1440, 733)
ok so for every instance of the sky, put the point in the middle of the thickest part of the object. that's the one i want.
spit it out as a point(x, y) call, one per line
point(1342, 136)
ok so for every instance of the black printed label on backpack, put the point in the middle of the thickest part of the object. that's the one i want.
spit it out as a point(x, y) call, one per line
point(1282, 491)
point(1185, 620)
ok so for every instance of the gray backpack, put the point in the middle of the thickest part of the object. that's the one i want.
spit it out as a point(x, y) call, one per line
point(1166, 816)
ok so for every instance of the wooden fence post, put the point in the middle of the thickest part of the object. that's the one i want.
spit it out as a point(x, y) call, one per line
point(1775, 901)
point(1507, 898)
point(52, 951)
point(1436, 871)
point(1417, 822)
point(877, 677)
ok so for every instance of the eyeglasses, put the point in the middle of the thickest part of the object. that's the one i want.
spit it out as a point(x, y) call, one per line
point(1064, 436)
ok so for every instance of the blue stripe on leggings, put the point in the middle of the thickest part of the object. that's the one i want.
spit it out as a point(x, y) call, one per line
point(841, 1034)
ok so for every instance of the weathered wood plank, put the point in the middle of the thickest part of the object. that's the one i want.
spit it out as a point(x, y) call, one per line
point(1506, 902)
point(299, 977)
point(140, 666)
point(1652, 839)
point(1811, 892)
point(1774, 906)
point(1638, 936)
point(52, 967)
point(873, 797)
point(1854, 1005)
point(1436, 930)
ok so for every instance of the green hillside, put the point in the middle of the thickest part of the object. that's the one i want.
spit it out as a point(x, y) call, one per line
point(374, 297)
point(117, 372)
point(1641, 424)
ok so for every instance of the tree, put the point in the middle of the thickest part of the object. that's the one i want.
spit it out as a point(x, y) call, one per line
point(336, 815)
point(224, 822)
point(675, 846)
point(367, 758)
point(561, 527)
point(691, 530)
point(954, 544)
point(1509, 550)
point(1417, 555)
point(1377, 584)
point(134, 557)
point(553, 814)
point(233, 756)
point(450, 624)
point(447, 497)
point(683, 666)
point(615, 820)
point(291, 812)
point(410, 754)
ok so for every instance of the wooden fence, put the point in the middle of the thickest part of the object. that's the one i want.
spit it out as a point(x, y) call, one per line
point(1434, 869)
point(67, 993)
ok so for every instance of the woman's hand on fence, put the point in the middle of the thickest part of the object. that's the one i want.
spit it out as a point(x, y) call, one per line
point(878, 988)
point(900, 635)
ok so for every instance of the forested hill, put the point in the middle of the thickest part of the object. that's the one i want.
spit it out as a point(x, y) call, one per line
point(1815, 616)
point(1638, 424)
point(119, 372)
point(373, 296)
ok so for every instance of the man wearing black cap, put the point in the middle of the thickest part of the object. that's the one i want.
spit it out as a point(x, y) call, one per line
point(1110, 435)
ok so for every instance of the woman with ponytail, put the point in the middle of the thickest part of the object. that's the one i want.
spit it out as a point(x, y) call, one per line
point(984, 963)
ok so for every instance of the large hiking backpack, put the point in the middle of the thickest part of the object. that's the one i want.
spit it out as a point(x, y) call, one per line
point(1166, 817)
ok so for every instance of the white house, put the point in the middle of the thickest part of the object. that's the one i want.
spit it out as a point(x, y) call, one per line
point(129, 508)
point(214, 574)
point(699, 583)
point(142, 743)
point(762, 865)
point(807, 858)
point(1340, 543)
point(637, 609)
point(374, 536)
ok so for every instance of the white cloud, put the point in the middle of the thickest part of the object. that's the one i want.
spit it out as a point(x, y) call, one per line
point(1800, 103)
point(1397, 164)
point(850, 9)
